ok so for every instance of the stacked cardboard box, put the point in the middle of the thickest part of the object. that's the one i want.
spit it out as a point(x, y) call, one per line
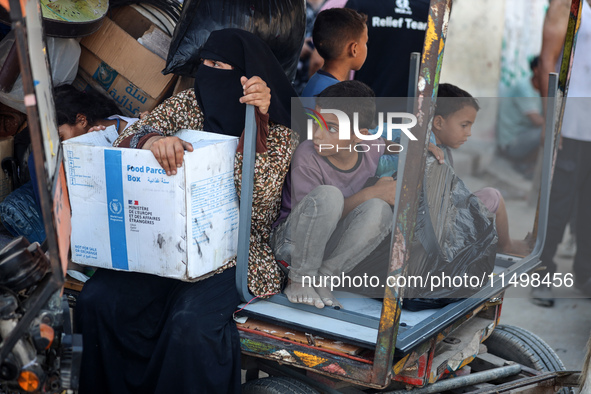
point(125, 70)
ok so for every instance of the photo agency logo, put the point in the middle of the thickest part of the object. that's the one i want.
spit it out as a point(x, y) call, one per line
point(395, 121)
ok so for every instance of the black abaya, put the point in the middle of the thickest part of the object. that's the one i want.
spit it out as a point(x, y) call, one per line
point(148, 334)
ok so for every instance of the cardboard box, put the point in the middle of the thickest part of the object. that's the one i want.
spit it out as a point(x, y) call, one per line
point(127, 214)
point(129, 72)
point(6, 150)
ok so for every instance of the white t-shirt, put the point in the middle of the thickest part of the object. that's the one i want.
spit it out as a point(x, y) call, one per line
point(129, 121)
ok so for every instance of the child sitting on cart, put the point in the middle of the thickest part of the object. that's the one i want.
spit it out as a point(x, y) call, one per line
point(330, 220)
point(455, 113)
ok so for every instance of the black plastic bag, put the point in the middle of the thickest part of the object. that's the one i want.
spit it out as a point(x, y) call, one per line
point(281, 23)
point(454, 237)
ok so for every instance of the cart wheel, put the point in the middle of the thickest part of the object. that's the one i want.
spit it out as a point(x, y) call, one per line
point(277, 385)
point(519, 345)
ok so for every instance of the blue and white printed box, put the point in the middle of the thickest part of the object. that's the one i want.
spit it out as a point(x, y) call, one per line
point(127, 214)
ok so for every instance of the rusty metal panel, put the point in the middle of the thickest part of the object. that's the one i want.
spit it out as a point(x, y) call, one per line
point(574, 22)
point(407, 200)
point(30, 44)
point(351, 369)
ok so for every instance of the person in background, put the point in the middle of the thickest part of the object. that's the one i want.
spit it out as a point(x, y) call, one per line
point(571, 182)
point(520, 121)
point(316, 61)
point(396, 28)
point(312, 9)
point(340, 36)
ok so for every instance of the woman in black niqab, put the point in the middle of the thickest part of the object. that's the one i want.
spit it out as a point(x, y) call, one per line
point(218, 91)
point(143, 333)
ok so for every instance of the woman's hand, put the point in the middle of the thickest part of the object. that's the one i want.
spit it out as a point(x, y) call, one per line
point(96, 128)
point(168, 151)
point(256, 93)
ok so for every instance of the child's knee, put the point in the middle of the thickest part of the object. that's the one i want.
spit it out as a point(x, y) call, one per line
point(329, 198)
point(491, 198)
point(378, 212)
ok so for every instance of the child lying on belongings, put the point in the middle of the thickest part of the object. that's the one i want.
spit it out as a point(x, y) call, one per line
point(148, 334)
point(80, 112)
point(77, 113)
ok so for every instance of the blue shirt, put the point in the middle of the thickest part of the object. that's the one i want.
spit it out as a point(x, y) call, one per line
point(319, 81)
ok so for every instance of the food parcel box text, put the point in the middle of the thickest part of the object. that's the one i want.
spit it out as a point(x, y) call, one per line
point(127, 214)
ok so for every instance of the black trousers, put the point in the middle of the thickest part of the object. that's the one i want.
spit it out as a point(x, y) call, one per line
point(147, 334)
point(571, 189)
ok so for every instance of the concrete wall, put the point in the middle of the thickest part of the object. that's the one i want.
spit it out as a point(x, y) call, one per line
point(522, 40)
point(472, 58)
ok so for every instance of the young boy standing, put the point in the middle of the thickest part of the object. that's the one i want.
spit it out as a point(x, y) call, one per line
point(340, 36)
point(455, 113)
point(331, 221)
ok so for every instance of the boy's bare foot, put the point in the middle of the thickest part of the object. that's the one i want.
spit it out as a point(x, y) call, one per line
point(517, 247)
point(327, 297)
point(299, 294)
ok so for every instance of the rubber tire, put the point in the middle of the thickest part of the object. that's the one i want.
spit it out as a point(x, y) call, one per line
point(519, 345)
point(277, 385)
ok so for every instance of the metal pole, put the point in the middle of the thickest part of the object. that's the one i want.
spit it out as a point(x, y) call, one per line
point(410, 186)
point(553, 106)
point(463, 381)
point(246, 191)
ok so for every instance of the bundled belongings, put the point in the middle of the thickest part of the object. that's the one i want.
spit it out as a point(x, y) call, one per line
point(454, 237)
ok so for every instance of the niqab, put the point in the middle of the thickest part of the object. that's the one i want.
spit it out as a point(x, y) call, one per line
point(218, 91)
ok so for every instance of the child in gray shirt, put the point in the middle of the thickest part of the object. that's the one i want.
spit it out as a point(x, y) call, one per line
point(335, 222)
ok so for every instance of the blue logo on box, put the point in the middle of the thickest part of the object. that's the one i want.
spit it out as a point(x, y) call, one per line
point(115, 207)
